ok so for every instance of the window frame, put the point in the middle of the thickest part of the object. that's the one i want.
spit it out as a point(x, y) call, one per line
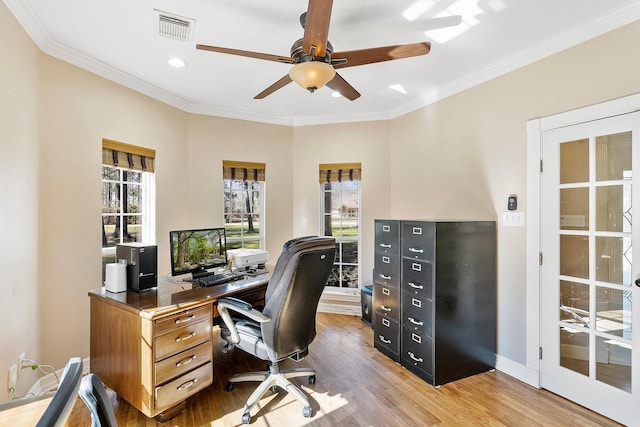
point(344, 239)
point(233, 240)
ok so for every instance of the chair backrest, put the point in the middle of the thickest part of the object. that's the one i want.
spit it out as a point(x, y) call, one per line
point(94, 395)
point(293, 293)
point(65, 396)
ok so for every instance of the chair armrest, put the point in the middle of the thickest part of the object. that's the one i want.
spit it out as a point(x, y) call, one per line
point(229, 303)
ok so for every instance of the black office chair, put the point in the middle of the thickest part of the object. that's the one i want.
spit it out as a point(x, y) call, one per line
point(94, 395)
point(287, 324)
point(65, 397)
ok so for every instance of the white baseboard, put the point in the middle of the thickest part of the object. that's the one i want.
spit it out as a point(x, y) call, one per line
point(518, 371)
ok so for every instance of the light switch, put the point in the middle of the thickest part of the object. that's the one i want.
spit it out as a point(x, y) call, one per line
point(513, 219)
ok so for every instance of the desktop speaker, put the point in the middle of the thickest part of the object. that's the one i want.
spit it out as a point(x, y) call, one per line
point(142, 265)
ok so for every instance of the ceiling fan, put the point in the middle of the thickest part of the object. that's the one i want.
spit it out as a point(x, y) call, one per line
point(314, 61)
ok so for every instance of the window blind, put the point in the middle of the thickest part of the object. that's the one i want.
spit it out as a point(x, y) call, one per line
point(127, 156)
point(243, 171)
point(338, 172)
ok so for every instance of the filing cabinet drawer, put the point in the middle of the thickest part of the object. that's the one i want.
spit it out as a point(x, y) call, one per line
point(181, 339)
point(417, 354)
point(185, 317)
point(387, 269)
point(185, 361)
point(386, 301)
point(418, 240)
point(417, 278)
point(417, 314)
point(386, 336)
point(387, 238)
point(184, 386)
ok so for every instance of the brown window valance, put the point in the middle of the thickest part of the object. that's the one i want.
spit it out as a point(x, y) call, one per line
point(243, 171)
point(127, 156)
point(338, 172)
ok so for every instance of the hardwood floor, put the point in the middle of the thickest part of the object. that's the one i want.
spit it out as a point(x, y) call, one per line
point(358, 386)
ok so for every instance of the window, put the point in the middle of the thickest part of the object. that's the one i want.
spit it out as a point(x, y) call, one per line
point(243, 205)
point(340, 187)
point(128, 196)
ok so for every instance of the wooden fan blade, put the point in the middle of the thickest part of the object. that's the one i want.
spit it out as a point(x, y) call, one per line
point(247, 53)
point(380, 54)
point(340, 85)
point(274, 87)
point(316, 28)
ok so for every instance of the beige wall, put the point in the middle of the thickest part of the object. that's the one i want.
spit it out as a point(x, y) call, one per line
point(367, 143)
point(459, 158)
point(462, 157)
point(19, 190)
point(213, 139)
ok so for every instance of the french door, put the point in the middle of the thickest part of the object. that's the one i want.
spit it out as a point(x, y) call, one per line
point(589, 334)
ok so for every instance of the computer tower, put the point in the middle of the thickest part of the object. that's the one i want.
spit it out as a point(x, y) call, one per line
point(142, 265)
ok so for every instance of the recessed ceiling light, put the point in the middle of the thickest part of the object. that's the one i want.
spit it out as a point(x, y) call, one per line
point(336, 94)
point(177, 62)
point(398, 88)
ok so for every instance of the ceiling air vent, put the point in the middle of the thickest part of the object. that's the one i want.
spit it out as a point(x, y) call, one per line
point(174, 26)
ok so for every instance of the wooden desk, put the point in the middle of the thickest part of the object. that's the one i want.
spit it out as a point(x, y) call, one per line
point(154, 348)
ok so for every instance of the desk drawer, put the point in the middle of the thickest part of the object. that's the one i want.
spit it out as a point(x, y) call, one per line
point(181, 339)
point(182, 387)
point(180, 363)
point(185, 317)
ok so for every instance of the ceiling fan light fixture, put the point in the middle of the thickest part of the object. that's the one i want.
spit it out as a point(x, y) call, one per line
point(312, 75)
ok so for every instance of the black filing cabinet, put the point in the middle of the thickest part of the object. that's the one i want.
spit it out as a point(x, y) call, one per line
point(386, 289)
point(447, 298)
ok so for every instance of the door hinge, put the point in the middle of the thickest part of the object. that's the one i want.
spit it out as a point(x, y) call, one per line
point(540, 353)
point(541, 168)
point(540, 258)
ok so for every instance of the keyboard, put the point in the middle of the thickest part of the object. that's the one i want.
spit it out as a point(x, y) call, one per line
point(216, 279)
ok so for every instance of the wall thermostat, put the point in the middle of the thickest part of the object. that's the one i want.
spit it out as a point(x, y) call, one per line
point(512, 203)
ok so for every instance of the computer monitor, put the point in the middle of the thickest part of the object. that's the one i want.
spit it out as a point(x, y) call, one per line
point(196, 251)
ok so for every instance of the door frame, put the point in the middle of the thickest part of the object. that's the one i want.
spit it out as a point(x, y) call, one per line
point(535, 129)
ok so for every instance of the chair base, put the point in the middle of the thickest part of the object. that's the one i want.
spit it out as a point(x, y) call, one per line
point(272, 378)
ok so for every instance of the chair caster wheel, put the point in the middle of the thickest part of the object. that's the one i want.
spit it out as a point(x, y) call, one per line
point(246, 418)
point(306, 411)
point(312, 379)
point(229, 386)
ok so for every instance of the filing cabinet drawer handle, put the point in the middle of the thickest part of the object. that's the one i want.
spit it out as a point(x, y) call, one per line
point(384, 340)
point(385, 308)
point(416, 285)
point(191, 335)
point(185, 319)
point(384, 245)
point(416, 250)
point(186, 385)
point(415, 322)
point(414, 358)
point(382, 276)
point(185, 361)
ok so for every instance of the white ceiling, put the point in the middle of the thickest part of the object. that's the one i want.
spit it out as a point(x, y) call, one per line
point(119, 40)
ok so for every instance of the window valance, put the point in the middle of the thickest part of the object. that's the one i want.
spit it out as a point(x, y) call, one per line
point(243, 171)
point(127, 156)
point(338, 172)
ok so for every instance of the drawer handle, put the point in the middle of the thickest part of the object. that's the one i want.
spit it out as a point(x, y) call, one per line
point(191, 335)
point(384, 245)
point(382, 276)
point(193, 316)
point(416, 250)
point(384, 340)
point(186, 361)
point(385, 308)
point(415, 322)
point(186, 385)
point(416, 285)
point(414, 358)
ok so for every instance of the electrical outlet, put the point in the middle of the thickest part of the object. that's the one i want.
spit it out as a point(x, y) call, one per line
point(12, 378)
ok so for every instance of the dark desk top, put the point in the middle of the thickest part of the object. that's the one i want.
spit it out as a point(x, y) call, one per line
point(172, 293)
